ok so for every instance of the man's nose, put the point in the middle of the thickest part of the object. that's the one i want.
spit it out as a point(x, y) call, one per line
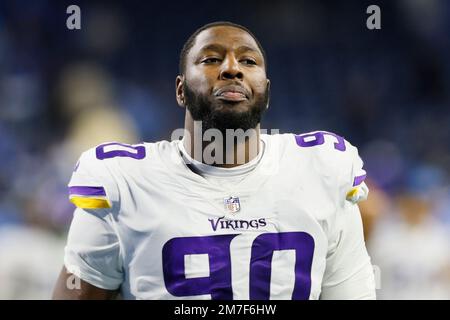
point(230, 69)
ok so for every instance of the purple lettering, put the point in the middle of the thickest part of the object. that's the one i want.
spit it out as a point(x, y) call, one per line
point(319, 138)
point(215, 224)
point(229, 224)
point(262, 222)
point(254, 224)
point(260, 264)
point(130, 151)
point(218, 284)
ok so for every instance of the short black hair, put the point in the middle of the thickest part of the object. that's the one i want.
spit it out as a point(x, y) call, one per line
point(190, 42)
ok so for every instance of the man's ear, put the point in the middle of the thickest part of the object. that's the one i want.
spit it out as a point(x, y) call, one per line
point(179, 92)
point(268, 96)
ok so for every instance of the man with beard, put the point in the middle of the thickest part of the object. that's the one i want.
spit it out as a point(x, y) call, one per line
point(250, 216)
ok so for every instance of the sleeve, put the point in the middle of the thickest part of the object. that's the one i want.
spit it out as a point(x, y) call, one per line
point(91, 185)
point(355, 189)
point(93, 252)
point(349, 273)
point(337, 157)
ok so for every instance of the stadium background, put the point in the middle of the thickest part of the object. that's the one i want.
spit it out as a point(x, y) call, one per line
point(386, 91)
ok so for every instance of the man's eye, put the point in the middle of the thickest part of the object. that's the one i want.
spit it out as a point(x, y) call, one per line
point(211, 60)
point(249, 61)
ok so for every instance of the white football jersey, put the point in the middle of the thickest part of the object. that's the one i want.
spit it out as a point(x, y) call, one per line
point(148, 225)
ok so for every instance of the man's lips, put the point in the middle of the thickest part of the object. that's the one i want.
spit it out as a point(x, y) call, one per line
point(232, 96)
point(232, 93)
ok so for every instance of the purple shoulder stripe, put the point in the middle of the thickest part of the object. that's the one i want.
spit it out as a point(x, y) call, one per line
point(87, 191)
point(358, 180)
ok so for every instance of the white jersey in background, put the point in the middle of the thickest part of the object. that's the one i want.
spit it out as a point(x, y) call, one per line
point(285, 226)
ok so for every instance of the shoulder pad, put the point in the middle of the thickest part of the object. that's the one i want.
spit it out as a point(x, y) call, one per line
point(339, 154)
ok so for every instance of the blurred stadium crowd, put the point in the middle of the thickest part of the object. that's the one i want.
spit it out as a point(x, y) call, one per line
point(386, 91)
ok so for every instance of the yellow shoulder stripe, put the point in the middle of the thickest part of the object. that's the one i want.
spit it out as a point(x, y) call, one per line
point(90, 203)
point(352, 193)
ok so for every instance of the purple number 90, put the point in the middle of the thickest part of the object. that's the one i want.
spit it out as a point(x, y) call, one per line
point(114, 149)
point(217, 248)
point(304, 140)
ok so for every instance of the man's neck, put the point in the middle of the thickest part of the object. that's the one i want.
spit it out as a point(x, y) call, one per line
point(229, 151)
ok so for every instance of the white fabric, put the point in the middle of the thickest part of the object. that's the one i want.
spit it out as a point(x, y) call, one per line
point(225, 177)
point(293, 199)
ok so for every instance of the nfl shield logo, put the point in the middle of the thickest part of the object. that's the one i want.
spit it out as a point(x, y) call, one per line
point(232, 204)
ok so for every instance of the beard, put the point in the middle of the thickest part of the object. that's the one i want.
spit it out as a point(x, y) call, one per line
point(218, 114)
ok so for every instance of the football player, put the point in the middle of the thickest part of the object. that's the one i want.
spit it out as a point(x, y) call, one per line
point(160, 221)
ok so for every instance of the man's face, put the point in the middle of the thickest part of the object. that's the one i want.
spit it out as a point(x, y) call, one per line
point(225, 83)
